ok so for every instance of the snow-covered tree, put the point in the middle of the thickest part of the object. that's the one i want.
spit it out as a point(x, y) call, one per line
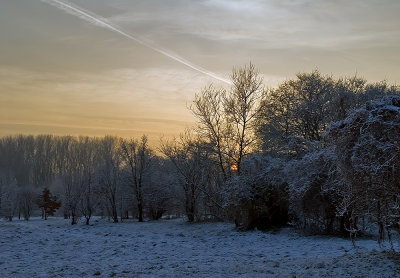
point(305, 106)
point(298, 107)
point(258, 198)
point(368, 151)
point(313, 188)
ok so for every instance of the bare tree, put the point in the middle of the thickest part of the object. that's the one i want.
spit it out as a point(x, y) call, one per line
point(159, 192)
point(228, 120)
point(43, 160)
point(208, 107)
point(109, 174)
point(9, 200)
point(23, 149)
point(88, 164)
point(242, 109)
point(26, 197)
point(62, 159)
point(72, 197)
point(137, 157)
point(191, 158)
point(78, 179)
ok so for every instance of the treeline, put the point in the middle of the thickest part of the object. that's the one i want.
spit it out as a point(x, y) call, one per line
point(317, 152)
point(92, 176)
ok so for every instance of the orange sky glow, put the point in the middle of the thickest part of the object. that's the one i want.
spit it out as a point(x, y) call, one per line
point(64, 74)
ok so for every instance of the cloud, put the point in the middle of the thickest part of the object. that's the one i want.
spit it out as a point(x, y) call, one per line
point(59, 70)
point(123, 101)
point(269, 24)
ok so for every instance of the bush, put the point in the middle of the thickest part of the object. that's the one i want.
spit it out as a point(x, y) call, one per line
point(258, 201)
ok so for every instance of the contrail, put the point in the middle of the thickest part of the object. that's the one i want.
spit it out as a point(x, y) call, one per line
point(98, 20)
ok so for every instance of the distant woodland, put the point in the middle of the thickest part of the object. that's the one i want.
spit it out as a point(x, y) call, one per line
point(319, 153)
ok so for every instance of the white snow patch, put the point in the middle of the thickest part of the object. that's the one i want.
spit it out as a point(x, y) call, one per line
point(174, 248)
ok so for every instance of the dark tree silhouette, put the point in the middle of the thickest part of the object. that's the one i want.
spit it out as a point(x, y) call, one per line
point(48, 203)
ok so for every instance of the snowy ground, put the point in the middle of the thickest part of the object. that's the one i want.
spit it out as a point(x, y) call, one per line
point(173, 248)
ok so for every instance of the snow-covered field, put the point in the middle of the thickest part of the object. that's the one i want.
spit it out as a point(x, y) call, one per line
point(173, 248)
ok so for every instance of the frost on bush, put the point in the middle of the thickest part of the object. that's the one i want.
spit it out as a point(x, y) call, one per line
point(258, 198)
point(368, 151)
point(313, 187)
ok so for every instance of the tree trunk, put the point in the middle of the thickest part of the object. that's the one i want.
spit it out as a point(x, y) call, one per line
point(190, 205)
point(140, 210)
point(114, 214)
point(73, 217)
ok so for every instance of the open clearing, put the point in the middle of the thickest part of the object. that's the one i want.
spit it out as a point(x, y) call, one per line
point(174, 248)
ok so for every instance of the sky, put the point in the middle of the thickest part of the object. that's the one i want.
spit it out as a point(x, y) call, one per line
point(61, 74)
